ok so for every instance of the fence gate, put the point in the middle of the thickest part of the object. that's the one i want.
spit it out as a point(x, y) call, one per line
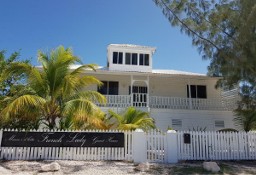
point(214, 145)
point(156, 146)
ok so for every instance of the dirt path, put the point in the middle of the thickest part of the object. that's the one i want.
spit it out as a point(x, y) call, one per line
point(124, 168)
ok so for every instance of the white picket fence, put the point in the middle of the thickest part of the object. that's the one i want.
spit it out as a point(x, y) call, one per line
point(217, 146)
point(156, 146)
point(152, 146)
point(69, 153)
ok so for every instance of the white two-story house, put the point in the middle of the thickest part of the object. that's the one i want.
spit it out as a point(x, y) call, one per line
point(176, 99)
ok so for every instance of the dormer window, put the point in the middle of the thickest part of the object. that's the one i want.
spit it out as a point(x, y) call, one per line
point(134, 59)
point(131, 58)
point(117, 57)
point(144, 59)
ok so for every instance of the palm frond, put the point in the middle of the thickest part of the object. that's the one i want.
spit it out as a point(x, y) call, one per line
point(43, 59)
point(115, 115)
point(132, 119)
point(128, 126)
point(79, 107)
point(80, 70)
point(93, 96)
point(22, 102)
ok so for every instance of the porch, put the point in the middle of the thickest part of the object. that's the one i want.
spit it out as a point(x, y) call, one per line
point(162, 102)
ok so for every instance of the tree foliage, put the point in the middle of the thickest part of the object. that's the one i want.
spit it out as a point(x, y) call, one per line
point(223, 31)
point(246, 111)
point(10, 84)
point(54, 90)
point(13, 85)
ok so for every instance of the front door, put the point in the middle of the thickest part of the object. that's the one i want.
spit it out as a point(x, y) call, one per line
point(139, 95)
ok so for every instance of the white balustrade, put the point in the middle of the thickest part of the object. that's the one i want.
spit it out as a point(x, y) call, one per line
point(120, 101)
point(140, 99)
point(143, 100)
point(189, 103)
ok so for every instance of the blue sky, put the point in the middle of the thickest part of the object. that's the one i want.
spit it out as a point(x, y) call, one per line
point(88, 26)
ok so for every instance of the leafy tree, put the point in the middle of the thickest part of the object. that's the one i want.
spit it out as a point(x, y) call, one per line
point(12, 86)
point(246, 111)
point(224, 31)
point(9, 84)
point(55, 91)
point(132, 119)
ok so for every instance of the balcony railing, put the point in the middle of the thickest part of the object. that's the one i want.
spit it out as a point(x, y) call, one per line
point(144, 100)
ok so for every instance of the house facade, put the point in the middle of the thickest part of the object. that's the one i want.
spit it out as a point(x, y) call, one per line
point(175, 99)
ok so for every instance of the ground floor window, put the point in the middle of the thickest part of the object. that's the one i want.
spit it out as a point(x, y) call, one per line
point(176, 123)
point(109, 88)
point(219, 124)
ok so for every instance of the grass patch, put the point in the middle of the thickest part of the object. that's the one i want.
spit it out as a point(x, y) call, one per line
point(226, 169)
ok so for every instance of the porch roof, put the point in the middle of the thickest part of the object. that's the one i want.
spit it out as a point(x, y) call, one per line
point(155, 72)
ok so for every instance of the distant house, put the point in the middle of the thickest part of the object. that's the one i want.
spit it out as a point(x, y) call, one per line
point(176, 99)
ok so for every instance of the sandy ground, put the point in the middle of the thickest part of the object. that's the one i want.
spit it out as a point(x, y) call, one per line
point(122, 168)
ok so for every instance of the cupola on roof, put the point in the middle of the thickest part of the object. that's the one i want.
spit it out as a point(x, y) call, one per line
point(129, 57)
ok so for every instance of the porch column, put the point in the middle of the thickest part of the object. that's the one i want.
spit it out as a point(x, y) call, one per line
point(189, 94)
point(131, 94)
point(147, 83)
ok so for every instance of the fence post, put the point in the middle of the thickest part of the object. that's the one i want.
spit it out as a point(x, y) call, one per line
point(139, 146)
point(172, 146)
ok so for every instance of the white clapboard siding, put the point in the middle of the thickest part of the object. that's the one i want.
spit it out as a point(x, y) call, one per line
point(69, 153)
point(213, 145)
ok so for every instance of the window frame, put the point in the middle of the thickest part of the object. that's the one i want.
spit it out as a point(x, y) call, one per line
point(194, 91)
point(142, 59)
point(107, 87)
point(119, 59)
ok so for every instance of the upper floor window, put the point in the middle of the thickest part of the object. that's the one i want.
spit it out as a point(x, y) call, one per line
point(109, 88)
point(196, 91)
point(131, 58)
point(144, 59)
point(117, 57)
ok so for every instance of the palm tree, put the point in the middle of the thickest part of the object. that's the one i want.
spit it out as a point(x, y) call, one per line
point(132, 119)
point(55, 91)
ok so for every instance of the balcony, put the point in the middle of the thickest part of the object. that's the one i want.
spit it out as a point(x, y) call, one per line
point(158, 102)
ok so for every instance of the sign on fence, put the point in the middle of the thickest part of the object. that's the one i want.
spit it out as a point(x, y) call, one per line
point(62, 139)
